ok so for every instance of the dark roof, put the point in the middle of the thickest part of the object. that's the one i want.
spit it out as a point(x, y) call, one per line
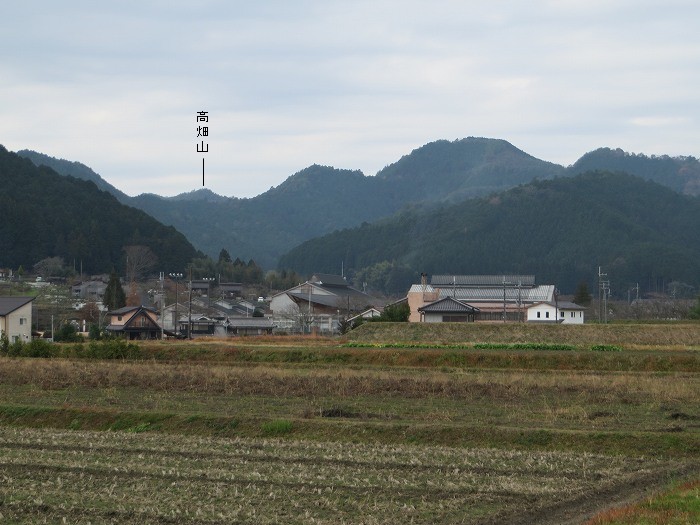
point(250, 322)
point(10, 304)
point(127, 309)
point(322, 299)
point(482, 280)
point(562, 305)
point(541, 293)
point(448, 305)
point(329, 279)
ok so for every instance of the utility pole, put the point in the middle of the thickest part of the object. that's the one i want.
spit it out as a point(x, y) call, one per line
point(177, 277)
point(189, 322)
point(603, 290)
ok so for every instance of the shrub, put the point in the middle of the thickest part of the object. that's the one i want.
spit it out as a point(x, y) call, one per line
point(38, 348)
point(278, 427)
point(606, 348)
point(113, 349)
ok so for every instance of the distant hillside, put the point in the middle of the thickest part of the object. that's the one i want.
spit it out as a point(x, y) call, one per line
point(560, 230)
point(74, 169)
point(681, 174)
point(321, 199)
point(464, 168)
point(47, 215)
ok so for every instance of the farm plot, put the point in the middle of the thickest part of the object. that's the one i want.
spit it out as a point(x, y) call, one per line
point(115, 477)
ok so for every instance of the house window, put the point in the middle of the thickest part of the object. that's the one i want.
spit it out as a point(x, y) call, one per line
point(119, 318)
point(546, 314)
point(573, 314)
point(562, 314)
point(22, 320)
point(538, 315)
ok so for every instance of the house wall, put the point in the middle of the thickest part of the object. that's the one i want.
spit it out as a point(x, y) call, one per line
point(432, 318)
point(281, 304)
point(547, 313)
point(572, 316)
point(541, 313)
point(18, 324)
point(115, 319)
point(418, 299)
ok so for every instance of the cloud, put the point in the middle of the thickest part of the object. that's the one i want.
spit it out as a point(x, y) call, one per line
point(353, 85)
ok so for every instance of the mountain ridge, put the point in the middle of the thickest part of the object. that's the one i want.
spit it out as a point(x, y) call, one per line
point(560, 229)
point(49, 215)
point(320, 199)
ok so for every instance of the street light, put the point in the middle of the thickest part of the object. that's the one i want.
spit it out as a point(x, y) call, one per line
point(176, 276)
point(208, 280)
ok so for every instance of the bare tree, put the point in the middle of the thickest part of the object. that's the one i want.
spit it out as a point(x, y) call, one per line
point(301, 319)
point(139, 259)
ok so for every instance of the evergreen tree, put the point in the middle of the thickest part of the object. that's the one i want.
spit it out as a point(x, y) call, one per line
point(114, 297)
point(224, 256)
point(695, 311)
point(583, 296)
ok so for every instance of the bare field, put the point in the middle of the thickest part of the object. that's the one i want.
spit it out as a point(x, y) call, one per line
point(299, 430)
point(108, 477)
point(670, 336)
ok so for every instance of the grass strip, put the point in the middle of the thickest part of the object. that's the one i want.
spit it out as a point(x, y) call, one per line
point(679, 504)
point(649, 444)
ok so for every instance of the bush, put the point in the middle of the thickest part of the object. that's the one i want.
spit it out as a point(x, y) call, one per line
point(113, 349)
point(68, 333)
point(278, 427)
point(38, 348)
point(606, 348)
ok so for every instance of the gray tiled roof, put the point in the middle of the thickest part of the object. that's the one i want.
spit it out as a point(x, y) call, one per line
point(482, 280)
point(563, 305)
point(329, 279)
point(250, 322)
point(10, 304)
point(542, 293)
point(448, 305)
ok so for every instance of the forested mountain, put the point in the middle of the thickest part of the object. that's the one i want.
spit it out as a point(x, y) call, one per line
point(681, 174)
point(560, 230)
point(48, 215)
point(464, 168)
point(320, 199)
point(74, 169)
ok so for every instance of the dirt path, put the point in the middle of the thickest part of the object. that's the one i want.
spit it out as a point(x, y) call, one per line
point(577, 510)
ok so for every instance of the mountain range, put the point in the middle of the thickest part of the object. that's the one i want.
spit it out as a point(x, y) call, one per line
point(561, 230)
point(45, 215)
point(321, 199)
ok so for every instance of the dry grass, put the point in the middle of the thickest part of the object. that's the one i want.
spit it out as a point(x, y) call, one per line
point(629, 335)
point(341, 382)
point(106, 477)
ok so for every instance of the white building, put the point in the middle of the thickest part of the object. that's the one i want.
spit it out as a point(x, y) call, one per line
point(560, 312)
point(16, 318)
point(493, 297)
point(318, 304)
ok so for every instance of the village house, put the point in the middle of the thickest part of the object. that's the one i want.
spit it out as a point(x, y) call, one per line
point(16, 318)
point(318, 304)
point(477, 298)
point(563, 312)
point(135, 322)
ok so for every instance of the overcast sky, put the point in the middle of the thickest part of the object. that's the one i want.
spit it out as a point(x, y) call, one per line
point(349, 84)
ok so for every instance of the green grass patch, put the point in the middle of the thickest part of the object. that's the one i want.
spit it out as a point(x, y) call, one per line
point(678, 505)
point(606, 348)
point(278, 427)
point(524, 346)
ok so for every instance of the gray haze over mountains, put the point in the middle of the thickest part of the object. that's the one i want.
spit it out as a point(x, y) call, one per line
point(321, 199)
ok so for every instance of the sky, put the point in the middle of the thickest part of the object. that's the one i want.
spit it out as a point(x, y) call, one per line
point(349, 84)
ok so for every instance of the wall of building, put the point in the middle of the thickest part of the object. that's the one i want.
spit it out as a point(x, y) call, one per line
point(17, 325)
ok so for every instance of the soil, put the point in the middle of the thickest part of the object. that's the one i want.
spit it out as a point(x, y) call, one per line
point(582, 508)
